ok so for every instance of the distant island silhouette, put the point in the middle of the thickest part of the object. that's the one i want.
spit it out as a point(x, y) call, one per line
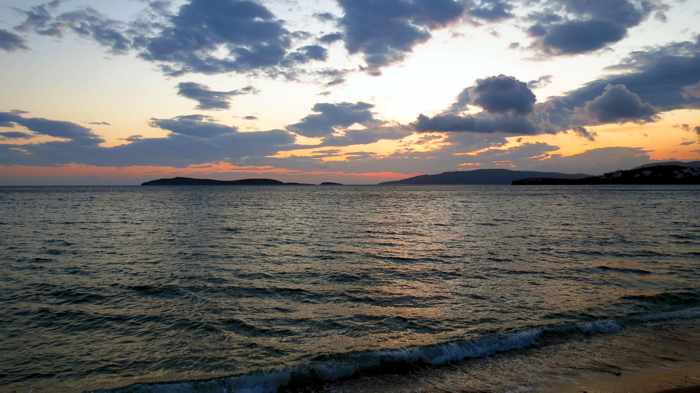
point(187, 181)
point(481, 177)
point(665, 173)
point(657, 173)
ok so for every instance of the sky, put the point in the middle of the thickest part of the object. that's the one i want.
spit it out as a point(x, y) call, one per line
point(352, 91)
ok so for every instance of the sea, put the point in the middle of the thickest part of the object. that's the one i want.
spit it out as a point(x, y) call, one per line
point(344, 288)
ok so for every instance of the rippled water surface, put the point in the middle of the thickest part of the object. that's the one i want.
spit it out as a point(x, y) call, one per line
point(106, 287)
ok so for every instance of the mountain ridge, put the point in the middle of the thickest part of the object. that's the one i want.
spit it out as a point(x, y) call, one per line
point(479, 177)
point(658, 174)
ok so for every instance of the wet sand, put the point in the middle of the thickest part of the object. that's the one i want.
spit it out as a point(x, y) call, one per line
point(692, 389)
point(679, 378)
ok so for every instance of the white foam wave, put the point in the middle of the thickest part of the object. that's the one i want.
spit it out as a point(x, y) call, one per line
point(348, 365)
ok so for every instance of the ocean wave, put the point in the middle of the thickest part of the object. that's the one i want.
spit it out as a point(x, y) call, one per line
point(687, 298)
point(623, 270)
point(330, 368)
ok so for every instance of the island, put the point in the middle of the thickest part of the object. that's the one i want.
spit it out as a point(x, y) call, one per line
point(481, 177)
point(653, 174)
point(187, 181)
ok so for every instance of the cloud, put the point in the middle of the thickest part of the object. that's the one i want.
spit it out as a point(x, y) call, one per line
point(328, 117)
point(657, 77)
point(617, 104)
point(201, 36)
point(365, 137)
point(580, 36)
point(596, 161)
point(497, 94)
point(385, 32)
point(505, 101)
point(193, 139)
point(585, 133)
point(209, 99)
point(491, 10)
point(325, 17)
point(332, 76)
point(87, 23)
point(482, 123)
point(99, 123)
point(541, 82)
point(543, 157)
point(331, 38)
point(307, 54)
point(58, 129)
point(14, 135)
point(692, 91)
point(568, 27)
point(40, 19)
point(250, 35)
point(10, 41)
point(503, 94)
point(335, 82)
point(649, 82)
point(193, 125)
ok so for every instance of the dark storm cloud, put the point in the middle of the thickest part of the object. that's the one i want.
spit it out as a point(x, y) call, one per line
point(568, 27)
point(210, 99)
point(384, 32)
point(192, 140)
point(10, 41)
point(328, 117)
point(58, 129)
point(617, 104)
